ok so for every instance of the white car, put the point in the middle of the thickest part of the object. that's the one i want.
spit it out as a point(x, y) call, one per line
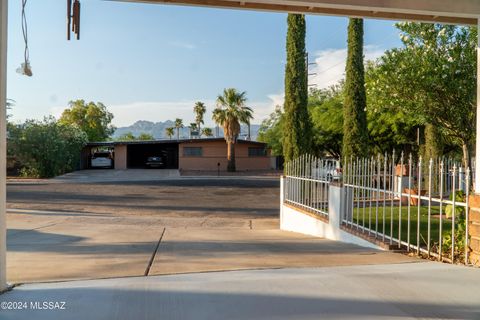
point(329, 170)
point(102, 160)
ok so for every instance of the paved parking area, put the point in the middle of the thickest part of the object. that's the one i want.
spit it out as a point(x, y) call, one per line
point(60, 230)
point(254, 197)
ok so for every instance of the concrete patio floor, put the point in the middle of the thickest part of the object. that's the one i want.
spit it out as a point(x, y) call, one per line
point(396, 291)
point(47, 246)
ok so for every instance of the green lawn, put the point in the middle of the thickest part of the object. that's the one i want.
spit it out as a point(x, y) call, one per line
point(434, 222)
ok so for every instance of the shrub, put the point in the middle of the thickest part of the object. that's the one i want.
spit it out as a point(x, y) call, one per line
point(46, 148)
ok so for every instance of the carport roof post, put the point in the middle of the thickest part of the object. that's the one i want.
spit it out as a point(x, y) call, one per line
point(3, 143)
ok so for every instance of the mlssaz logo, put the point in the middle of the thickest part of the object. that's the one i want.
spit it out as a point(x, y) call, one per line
point(47, 305)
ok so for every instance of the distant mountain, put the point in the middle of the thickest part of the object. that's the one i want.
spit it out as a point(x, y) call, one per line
point(157, 129)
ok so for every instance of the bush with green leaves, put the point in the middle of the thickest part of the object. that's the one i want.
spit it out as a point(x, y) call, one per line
point(460, 238)
point(460, 228)
point(46, 148)
point(459, 211)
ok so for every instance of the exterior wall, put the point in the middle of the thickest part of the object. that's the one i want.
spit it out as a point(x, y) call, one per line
point(474, 229)
point(120, 157)
point(296, 220)
point(215, 152)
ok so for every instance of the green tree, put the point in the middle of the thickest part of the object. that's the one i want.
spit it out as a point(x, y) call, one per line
point(207, 132)
point(326, 111)
point(433, 147)
point(391, 125)
point(199, 109)
point(355, 134)
point(297, 125)
point(10, 103)
point(229, 113)
point(127, 137)
point(47, 148)
point(271, 131)
point(178, 126)
point(325, 108)
point(145, 137)
point(170, 132)
point(93, 118)
point(193, 129)
point(434, 77)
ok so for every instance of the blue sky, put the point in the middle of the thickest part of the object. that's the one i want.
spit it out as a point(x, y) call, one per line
point(151, 62)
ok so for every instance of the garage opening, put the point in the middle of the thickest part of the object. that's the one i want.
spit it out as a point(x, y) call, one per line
point(152, 155)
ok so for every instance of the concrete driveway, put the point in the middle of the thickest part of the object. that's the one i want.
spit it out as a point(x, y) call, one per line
point(396, 291)
point(60, 230)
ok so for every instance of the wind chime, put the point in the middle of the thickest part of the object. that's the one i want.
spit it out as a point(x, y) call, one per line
point(25, 68)
point(73, 18)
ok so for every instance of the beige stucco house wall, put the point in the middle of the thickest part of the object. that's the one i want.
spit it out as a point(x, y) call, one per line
point(214, 152)
point(120, 157)
point(209, 152)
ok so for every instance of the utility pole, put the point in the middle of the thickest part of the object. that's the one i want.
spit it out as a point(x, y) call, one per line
point(307, 65)
point(3, 143)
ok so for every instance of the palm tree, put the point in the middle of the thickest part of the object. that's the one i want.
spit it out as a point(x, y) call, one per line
point(178, 125)
point(170, 132)
point(207, 132)
point(193, 128)
point(199, 111)
point(230, 112)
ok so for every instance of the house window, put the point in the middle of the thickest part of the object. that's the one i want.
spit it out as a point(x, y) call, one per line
point(192, 151)
point(257, 152)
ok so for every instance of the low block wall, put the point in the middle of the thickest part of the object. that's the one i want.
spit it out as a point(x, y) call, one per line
point(297, 220)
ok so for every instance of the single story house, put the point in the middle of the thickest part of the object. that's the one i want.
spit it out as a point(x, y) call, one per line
point(206, 154)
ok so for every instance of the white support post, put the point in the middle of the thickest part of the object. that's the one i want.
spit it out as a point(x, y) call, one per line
point(477, 143)
point(282, 195)
point(3, 143)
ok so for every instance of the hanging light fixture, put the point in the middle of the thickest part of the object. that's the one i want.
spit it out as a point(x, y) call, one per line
point(25, 67)
point(73, 18)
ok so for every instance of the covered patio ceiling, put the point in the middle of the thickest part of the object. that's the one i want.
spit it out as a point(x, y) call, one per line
point(465, 12)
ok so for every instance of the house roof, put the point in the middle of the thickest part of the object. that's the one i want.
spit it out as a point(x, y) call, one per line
point(168, 141)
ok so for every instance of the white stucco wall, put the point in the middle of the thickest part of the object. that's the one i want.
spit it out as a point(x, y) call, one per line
point(295, 220)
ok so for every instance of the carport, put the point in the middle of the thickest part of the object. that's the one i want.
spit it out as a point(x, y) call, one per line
point(456, 12)
point(138, 153)
point(134, 154)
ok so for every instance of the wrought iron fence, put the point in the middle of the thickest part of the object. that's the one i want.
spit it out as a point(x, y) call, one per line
point(421, 206)
point(306, 183)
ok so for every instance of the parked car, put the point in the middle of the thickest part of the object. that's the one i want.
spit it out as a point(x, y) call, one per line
point(330, 170)
point(102, 160)
point(155, 162)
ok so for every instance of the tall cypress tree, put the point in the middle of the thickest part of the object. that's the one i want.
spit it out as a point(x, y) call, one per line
point(433, 147)
point(297, 130)
point(355, 134)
